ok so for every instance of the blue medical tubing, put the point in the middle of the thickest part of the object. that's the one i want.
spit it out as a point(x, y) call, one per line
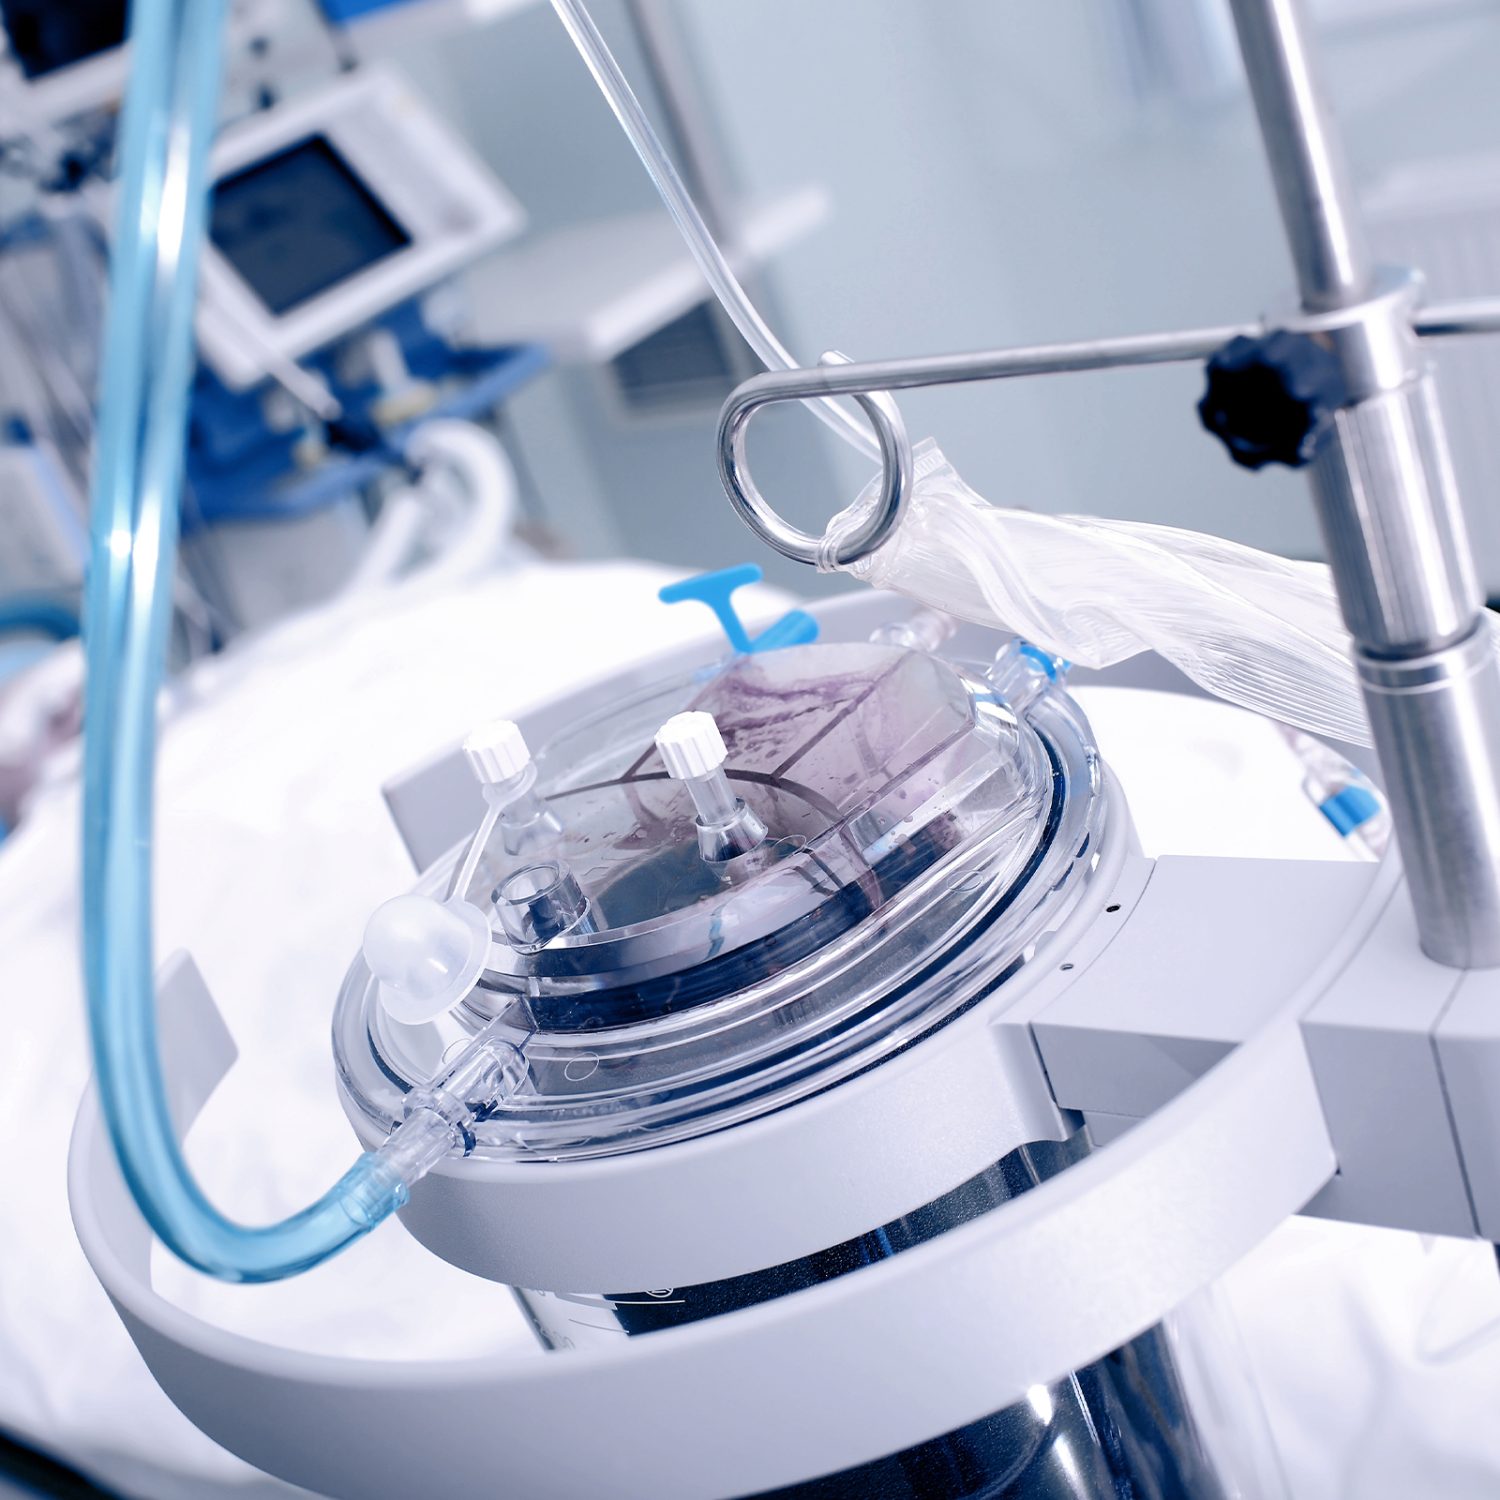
point(148, 361)
point(39, 614)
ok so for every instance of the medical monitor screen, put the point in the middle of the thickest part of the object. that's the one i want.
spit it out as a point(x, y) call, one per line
point(297, 224)
point(46, 35)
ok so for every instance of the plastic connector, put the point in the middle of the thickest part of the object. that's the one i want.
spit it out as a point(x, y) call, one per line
point(692, 750)
point(1353, 806)
point(1021, 673)
point(501, 761)
point(540, 903)
point(691, 746)
point(927, 630)
point(436, 1122)
point(497, 753)
point(795, 628)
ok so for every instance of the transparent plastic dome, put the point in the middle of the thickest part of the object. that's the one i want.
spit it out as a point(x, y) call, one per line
point(925, 823)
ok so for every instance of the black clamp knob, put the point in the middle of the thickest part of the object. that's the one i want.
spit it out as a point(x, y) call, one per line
point(1271, 399)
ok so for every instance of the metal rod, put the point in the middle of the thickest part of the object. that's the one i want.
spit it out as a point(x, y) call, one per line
point(863, 377)
point(871, 378)
point(1318, 206)
point(1479, 315)
point(1446, 319)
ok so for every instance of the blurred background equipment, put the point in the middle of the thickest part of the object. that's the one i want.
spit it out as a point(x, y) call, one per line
point(334, 215)
point(333, 319)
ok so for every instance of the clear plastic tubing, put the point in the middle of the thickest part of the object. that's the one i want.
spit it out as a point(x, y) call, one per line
point(148, 360)
point(721, 279)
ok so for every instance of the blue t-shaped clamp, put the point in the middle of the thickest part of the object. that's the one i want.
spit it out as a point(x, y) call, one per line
point(795, 628)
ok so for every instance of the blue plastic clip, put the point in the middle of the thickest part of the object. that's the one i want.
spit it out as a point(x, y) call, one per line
point(795, 628)
point(1350, 808)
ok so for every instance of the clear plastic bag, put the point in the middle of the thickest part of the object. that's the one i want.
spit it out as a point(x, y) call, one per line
point(1252, 628)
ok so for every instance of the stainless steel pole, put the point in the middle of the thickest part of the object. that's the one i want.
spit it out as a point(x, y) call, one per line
point(1390, 515)
point(1306, 154)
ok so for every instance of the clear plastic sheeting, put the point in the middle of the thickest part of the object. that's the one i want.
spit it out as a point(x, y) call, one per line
point(1252, 628)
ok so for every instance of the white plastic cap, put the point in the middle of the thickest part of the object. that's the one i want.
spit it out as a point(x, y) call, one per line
point(497, 752)
point(691, 745)
point(426, 954)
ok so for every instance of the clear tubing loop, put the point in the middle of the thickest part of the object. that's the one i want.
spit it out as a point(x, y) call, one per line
point(864, 533)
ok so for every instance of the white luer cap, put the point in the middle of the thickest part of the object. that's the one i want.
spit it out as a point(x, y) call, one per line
point(497, 752)
point(691, 745)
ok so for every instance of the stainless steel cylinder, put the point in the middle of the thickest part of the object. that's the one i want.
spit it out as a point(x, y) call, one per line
point(1435, 719)
point(1396, 538)
point(1398, 544)
point(1392, 524)
point(1129, 1424)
